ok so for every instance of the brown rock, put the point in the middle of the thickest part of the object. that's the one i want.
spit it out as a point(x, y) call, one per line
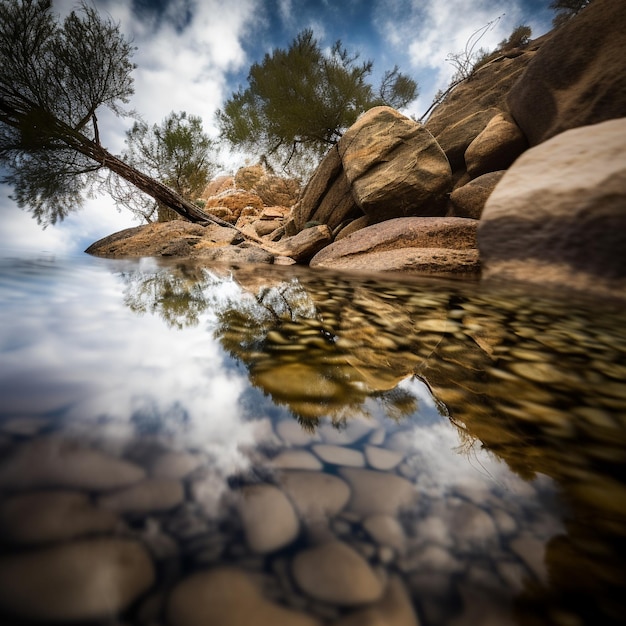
point(455, 139)
point(440, 245)
point(353, 226)
point(277, 191)
point(496, 147)
point(305, 244)
point(394, 166)
point(234, 254)
point(327, 197)
point(469, 200)
point(577, 78)
point(218, 185)
point(235, 200)
point(248, 177)
point(149, 240)
point(557, 216)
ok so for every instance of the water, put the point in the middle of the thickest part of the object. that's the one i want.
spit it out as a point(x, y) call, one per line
point(186, 446)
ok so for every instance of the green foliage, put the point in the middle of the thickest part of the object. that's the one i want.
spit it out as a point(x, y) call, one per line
point(53, 78)
point(566, 9)
point(299, 101)
point(176, 153)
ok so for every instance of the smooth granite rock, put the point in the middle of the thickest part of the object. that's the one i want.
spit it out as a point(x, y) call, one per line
point(227, 597)
point(333, 572)
point(150, 495)
point(83, 580)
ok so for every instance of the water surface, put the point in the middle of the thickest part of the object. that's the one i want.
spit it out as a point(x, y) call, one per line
point(182, 445)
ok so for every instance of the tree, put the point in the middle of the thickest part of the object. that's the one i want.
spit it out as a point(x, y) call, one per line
point(299, 101)
point(566, 9)
point(177, 153)
point(54, 77)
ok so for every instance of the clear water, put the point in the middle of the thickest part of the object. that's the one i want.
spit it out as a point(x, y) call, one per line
point(185, 446)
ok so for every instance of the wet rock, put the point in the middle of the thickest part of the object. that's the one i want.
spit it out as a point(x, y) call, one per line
point(393, 609)
point(339, 455)
point(394, 166)
point(531, 551)
point(469, 200)
point(335, 573)
point(557, 217)
point(472, 527)
point(577, 78)
point(24, 426)
point(293, 434)
point(47, 516)
point(382, 458)
point(83, 580)
point(296, 459)
point(377, 492)
point(228, 597)
point(52, 462)
point(234, 254)
point(385, 530)
point(175, 465)
point(354, 430)
point(315, 495)
point(268, 518)
point(496, 147)
point(153, 494)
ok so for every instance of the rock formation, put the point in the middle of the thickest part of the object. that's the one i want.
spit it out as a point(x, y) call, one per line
point(558, 205)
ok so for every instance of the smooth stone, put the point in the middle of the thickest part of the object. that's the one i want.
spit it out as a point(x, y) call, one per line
point(355, 429)
point(53, 462)
point(393, 609)
point(472, 527)
point(339, 455)
point(315, 495)
point(268, 518)
point(377, 438)
point(83, 580)
point(385, 530)
point(296, 459)
point(47, 516)
point(175, 465)
point(227, 597)
point(376, 492)
point(292, 433)
point(333, 572)
point(152, 494)
point(381, 458)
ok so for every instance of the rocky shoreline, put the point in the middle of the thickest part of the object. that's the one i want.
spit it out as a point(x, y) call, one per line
point(518, 175)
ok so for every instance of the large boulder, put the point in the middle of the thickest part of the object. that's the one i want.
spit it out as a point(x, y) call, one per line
point(496, 147)
point(469, 200)
point(327, 198)
point(558, 216)
point(577, 78)
point(438, 246)
point(394, 166)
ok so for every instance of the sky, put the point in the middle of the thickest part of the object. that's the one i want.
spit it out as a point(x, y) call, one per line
point(192, 54)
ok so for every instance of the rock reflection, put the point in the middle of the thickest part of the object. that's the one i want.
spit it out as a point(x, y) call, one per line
point(538, 382)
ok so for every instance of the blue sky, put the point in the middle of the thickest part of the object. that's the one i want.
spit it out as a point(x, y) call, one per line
point(192, 54)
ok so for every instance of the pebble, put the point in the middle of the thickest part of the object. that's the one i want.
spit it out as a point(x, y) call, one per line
point(175, 465)
point(227, 597)
point(55, 462)
point(393, 609)
point(293, 434)
point(150, 495)
point(339, 455)
point(46, 516)
point(531, 551)
point(335, 573)
point(355, 429)
point(472, 527)
point(315, 495)
point(385, 530)
point(295, 459)
point(268, 518)
point(382, 459)
point(24, 426)
point(84, 580)
point(376, 492)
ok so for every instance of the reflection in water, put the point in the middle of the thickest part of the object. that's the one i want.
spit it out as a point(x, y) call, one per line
point(436, 421)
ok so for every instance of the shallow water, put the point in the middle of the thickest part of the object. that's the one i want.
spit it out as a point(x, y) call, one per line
point(188, 446)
